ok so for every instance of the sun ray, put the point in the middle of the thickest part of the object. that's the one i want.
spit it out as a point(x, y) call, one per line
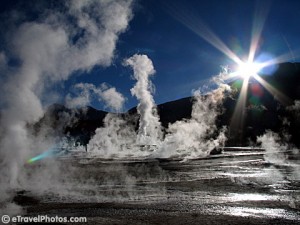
point(279, 59)
point(238, 117)
point(260, 15)
point(282, 98)
point(195, 24)
point(231, 75)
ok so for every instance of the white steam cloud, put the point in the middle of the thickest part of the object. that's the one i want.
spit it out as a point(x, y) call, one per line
point(112, 98)
point(50, 50)
point(277, 145)
point(83, 95)
point(295, 107)
point(116, 139)
point(194, 137)
point(149, 127)
point(275, 150)
point(85, 92)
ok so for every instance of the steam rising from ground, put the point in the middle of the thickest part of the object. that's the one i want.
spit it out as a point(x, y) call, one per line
point(118, 137)
point(49, 51)
point(279, 152)
point(149, 132)
point(277, 144)
point(194, 138)
point(275, 149)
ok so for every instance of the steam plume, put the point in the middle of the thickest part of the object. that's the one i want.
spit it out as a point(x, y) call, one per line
point(116, 139)
point(149, 128)
point(194, 137)
point(275, 151)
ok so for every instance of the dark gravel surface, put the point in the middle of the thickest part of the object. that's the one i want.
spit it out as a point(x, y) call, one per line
point(237, 187)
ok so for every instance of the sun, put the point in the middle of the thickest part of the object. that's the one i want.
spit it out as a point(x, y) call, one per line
point(248, 69)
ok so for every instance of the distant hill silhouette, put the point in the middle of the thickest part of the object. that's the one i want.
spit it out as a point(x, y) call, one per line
point(263, 111)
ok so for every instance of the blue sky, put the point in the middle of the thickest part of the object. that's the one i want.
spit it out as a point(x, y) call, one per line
point(182, 59)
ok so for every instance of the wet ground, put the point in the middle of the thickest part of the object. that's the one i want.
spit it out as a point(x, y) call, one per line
point(236, 187)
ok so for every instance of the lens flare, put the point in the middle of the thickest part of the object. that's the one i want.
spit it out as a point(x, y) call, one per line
point(48, 154)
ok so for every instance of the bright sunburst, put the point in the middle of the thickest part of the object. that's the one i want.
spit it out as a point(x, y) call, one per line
point(248, 69)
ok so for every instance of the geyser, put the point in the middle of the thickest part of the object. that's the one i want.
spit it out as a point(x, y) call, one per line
point(149, 132)
point(118, 138)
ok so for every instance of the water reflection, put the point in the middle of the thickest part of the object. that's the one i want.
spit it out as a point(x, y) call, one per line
point(259, 212)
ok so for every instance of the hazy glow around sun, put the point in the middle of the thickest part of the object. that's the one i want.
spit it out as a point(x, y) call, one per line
point(247, 69)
